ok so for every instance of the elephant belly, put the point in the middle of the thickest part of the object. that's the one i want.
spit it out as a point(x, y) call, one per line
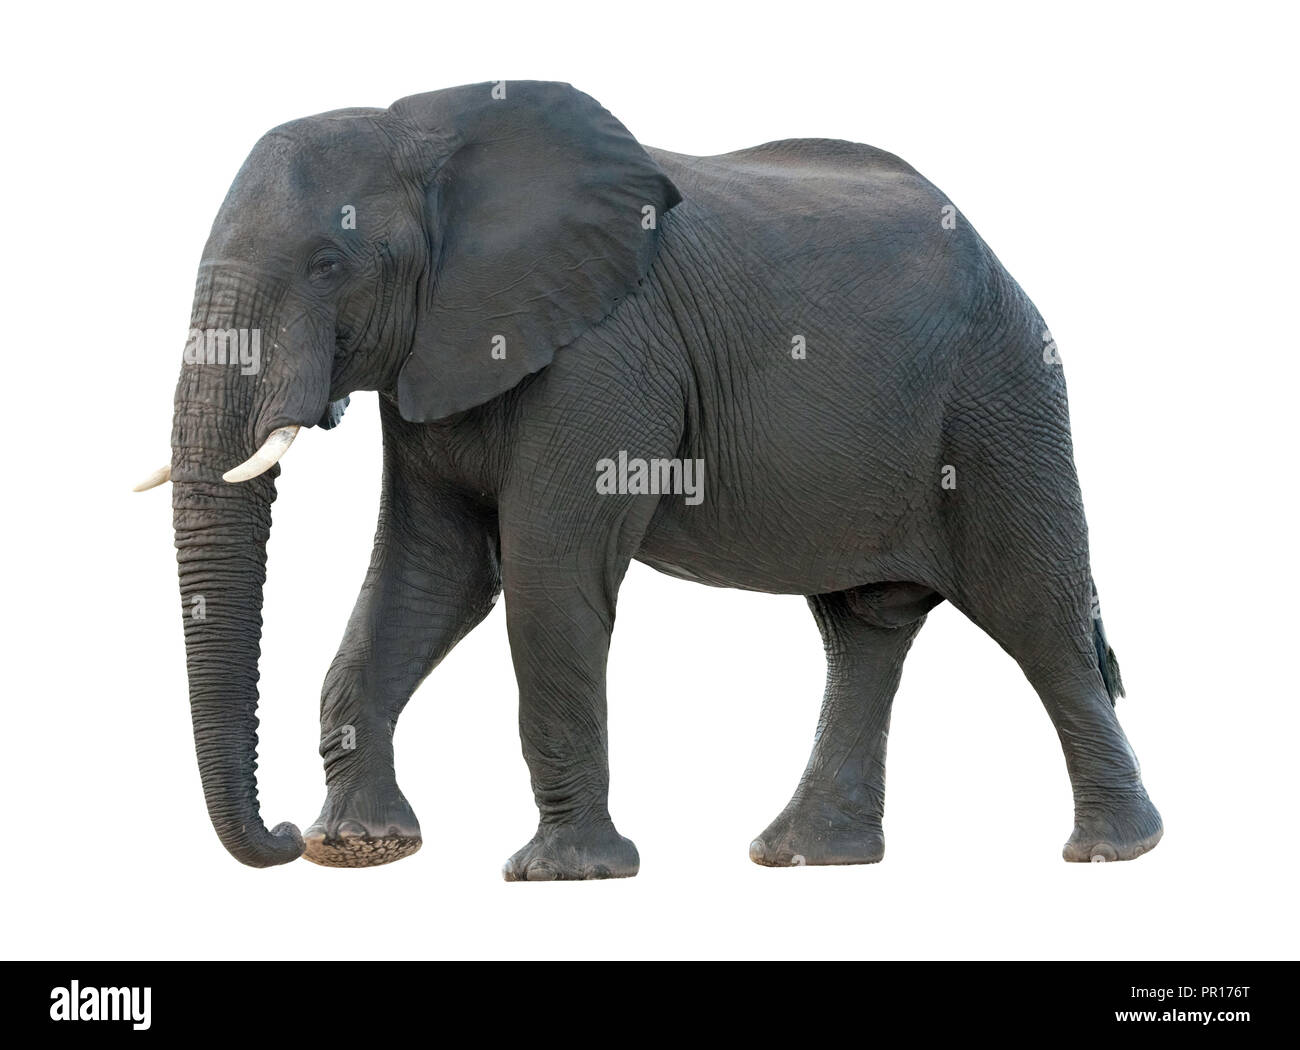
point(802, 528)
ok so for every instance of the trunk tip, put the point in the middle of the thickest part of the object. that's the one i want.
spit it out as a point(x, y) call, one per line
point(289, 841)
point(281, 846)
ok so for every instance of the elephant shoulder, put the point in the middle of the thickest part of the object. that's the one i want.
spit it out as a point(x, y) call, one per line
point(821, 155)
point(786, 184)
point(795, 173)
point(821, 207)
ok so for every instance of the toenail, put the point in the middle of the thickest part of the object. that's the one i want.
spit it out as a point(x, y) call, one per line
point(798, 860)
point(757, 851)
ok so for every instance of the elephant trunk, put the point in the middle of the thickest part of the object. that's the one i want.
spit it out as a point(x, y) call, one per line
point(221, 414)
point(221, 553)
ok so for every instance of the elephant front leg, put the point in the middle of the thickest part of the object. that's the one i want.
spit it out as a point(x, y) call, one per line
point(559, 638)
point(433, 577)
point(365, 819)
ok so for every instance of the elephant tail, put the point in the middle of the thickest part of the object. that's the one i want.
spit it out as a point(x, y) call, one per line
point(1107, 661)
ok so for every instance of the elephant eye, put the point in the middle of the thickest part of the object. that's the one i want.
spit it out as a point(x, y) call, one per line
point(324, 267)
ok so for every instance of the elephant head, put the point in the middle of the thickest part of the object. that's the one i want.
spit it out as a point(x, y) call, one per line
point(438, 252)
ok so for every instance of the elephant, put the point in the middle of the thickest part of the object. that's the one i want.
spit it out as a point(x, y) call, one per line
point(790, 369)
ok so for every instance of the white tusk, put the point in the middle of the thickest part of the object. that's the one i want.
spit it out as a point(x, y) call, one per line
point(275, 446)
point(155, 479)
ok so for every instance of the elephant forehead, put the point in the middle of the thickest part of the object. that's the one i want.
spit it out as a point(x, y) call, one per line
point(301, 175)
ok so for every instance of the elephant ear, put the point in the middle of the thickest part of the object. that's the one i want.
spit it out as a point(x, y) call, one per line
point(542, 214)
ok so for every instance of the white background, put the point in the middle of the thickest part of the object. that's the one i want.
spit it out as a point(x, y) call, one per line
point(1133, 166)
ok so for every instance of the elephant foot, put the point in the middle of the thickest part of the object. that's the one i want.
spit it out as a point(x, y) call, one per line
point(569, 852)
point(362, 828)
point(1122, 829)
point(810, 832)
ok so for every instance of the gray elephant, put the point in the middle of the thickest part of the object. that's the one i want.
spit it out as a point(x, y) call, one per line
point(793, 369)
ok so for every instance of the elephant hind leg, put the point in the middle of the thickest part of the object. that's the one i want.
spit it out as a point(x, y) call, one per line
point(1021, 541)
point(836, 813)
point(1017, 565)
point(1049, 628)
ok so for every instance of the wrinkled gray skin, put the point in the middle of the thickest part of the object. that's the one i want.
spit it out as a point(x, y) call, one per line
point(649, 303)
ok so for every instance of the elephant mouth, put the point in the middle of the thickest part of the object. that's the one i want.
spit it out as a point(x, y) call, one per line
point(268, 455)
